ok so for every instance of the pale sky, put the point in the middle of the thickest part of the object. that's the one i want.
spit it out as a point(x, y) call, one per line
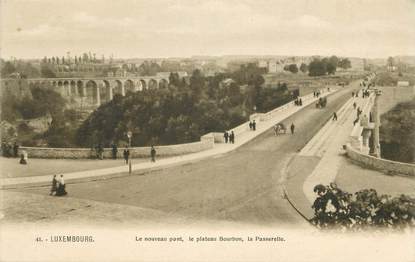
point(182, 28)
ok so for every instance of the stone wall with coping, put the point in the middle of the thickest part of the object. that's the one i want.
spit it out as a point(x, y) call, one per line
point(135, 152)
point(354, 149)
point(380, 163)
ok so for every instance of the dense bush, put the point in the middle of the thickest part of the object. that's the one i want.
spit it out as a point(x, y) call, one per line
point(182, 112)
point(337, 209)
point(397, 133)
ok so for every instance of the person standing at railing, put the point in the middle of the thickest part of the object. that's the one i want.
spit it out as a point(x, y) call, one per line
point(226, 136)
point(250, 125)
point(254, 125)
point(232, 138)
point(153, 154)
point(126, 154)
point(292, 128)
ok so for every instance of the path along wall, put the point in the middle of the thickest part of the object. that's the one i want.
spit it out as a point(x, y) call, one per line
point(206, 142)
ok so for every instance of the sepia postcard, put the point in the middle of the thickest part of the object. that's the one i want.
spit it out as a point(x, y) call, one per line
point(215, 130)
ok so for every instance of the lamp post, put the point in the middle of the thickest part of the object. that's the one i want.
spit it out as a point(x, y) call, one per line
point(129, 135)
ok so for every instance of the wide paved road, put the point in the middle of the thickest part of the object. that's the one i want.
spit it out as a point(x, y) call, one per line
point(242, 186)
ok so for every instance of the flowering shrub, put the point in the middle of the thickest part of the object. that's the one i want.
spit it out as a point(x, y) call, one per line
point(335, 208)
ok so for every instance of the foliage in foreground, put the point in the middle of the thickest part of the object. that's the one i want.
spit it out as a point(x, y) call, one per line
point(337, 209)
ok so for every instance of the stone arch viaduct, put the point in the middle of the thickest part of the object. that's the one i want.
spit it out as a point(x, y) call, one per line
point(98, 89)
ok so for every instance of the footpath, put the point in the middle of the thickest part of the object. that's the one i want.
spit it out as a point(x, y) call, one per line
point(145, 167)
point(323, 161)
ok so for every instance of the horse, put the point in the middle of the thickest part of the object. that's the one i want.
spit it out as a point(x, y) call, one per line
point(279, 128)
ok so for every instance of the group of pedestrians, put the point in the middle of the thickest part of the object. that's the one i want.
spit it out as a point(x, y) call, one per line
point(365, 93)
point(58, 187)
point(9, 150)
point(252, 125)
point(358, 113)
point(298, 102)
point(229, 137)
point(316, 93)
point(126, 154)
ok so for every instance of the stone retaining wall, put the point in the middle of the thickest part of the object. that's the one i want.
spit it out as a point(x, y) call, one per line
point(135, 152)
point(380, 164)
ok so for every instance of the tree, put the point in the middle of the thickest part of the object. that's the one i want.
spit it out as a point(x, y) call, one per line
point(331, 68)
point(334, 60)
point(197, 83)
point(345, 63)
point(303, 68)
point(7, 68)
point(46, 72)
point(292, 68)
point(317, 68)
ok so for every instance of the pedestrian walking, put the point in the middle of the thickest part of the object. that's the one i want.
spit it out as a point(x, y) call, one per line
point(54, 186)
point(153, 154)
point(352, 94)
point(126, 154)
point(334, 116)
point(15, 149)
point(226, 136)
point(250, 125)
point(292, 128)
point(254, 125)
point(301, 102)
point(232, 137)
point(114, 151)
point(354, 105)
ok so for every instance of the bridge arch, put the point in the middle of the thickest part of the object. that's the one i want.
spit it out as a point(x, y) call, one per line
point(119, 87)
point(81, 88)
point(66, 87)
point(143, 84)
point(152, 84)
point(163, 83)
point(93, 92)
point(129, 86)
point(107, 91)
point(73, 87)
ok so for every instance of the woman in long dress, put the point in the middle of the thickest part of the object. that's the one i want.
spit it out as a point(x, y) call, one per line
point(61, 187)
point(54, 185)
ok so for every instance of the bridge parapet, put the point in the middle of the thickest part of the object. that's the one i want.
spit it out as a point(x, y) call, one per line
point(357, 147)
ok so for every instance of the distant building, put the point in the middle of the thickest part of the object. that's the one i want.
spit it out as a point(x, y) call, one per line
point(262, 64)
point(272, 66)
point(403, 83)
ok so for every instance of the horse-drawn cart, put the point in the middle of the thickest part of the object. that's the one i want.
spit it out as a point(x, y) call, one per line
point(280, 129)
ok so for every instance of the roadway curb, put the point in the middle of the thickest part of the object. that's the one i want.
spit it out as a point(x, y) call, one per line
point(342, 109)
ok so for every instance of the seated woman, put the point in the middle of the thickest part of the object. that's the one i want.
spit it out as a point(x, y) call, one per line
point(61, 191)
point(23, 159)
